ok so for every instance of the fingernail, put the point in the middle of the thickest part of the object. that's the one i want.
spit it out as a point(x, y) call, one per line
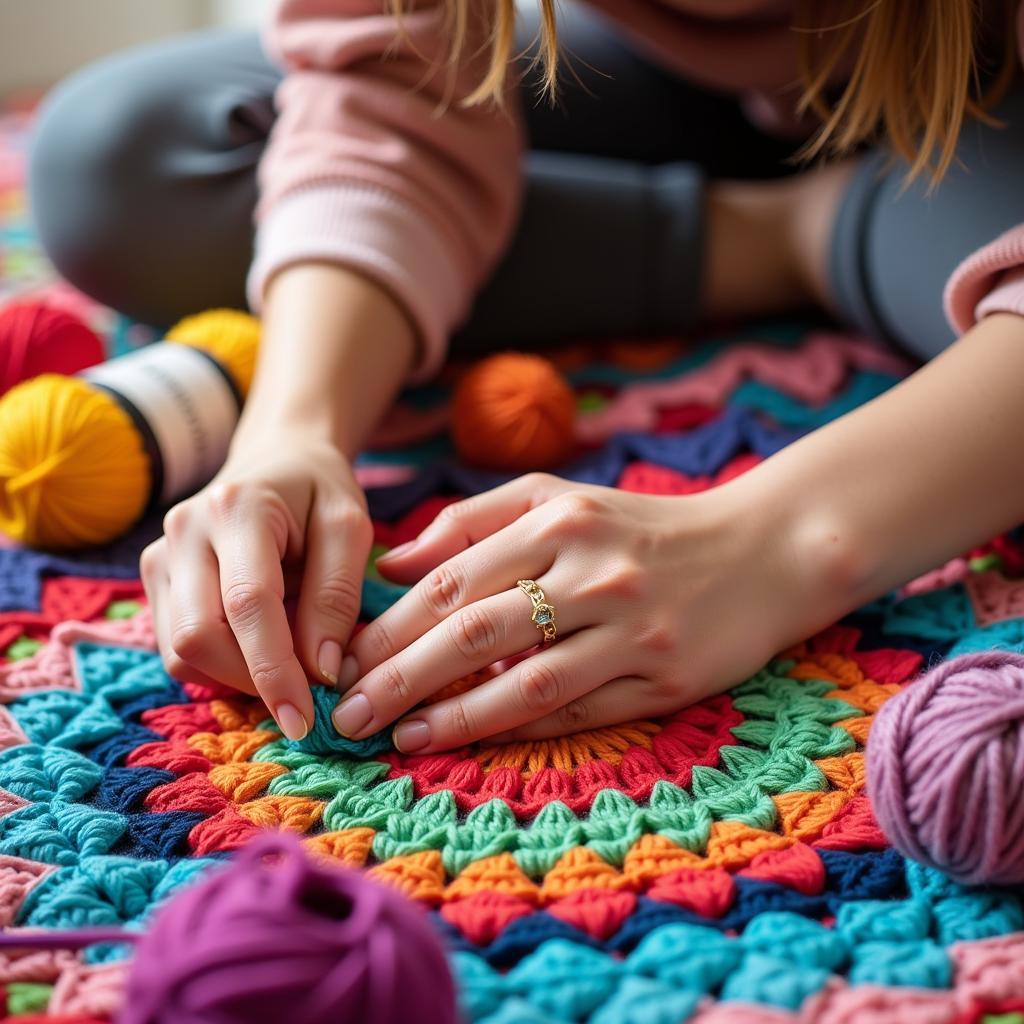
point(291, 721)
point(410, 736)
point(329, 660)
point(349, 672)
point(352, 714)
point(400, 550)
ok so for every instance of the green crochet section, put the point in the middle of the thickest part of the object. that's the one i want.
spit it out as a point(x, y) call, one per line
point(22, 648)
point(27, 997)
point(789, 724)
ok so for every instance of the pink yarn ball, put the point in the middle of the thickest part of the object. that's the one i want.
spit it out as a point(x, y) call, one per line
point(945, 763)
point(275, 936)
point(37, 338)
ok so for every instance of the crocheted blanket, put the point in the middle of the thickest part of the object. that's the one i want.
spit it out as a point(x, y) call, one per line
point(720, 865)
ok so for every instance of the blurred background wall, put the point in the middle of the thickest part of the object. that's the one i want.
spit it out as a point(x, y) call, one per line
point(42, 40)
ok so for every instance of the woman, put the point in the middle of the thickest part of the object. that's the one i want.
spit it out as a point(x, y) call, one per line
point(393, 210)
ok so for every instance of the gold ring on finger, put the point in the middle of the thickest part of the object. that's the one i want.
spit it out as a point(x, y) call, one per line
point(543, 613)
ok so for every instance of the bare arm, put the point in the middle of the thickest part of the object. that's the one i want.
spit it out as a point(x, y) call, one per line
point(913, 478)
point(335, 349)
point(909, 480)
point(668, 599)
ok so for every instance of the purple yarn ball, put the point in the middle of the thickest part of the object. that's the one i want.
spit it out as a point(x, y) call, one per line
point(274, 936)
point(945, 763)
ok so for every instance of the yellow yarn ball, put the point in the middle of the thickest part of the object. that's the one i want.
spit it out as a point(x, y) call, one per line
point(73, 468)
point(229, 335)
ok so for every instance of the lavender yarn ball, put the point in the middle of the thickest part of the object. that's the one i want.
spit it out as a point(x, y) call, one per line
point(945, 763)
point(274, 936)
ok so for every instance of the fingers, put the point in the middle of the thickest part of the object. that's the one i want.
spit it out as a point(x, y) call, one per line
point(625, 699)
point(338, 540)
point(156, 582)
point(563, 674)
point(465, 523)
point(252, 593)
point(468, 640)
point(491, 567)
point(198, 634)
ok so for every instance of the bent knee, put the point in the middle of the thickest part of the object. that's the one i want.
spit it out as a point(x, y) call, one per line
point(895, 245)
point(142, 158)
point(91, 153)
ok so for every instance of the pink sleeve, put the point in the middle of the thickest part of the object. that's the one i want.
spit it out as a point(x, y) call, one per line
point(1006, 297)
point(988, 281)
point(364, 169)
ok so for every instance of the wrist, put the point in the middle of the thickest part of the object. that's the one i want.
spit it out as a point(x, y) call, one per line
point(269, 418)
point(812, 548)
point(280, 429)
point(335, 351)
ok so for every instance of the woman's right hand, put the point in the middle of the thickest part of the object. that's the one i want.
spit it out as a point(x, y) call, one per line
point(216, 580)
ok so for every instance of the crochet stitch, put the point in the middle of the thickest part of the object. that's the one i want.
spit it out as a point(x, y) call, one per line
point(727, 852)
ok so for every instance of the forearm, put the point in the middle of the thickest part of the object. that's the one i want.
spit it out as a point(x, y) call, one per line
point(335, 350)
point(917, 476)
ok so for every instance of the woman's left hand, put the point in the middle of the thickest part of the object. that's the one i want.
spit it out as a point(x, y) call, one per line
point(659, 601)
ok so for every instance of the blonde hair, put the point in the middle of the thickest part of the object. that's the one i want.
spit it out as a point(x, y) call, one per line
point(914, 78)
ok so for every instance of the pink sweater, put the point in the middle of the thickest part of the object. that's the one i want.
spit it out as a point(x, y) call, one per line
point(363, 170)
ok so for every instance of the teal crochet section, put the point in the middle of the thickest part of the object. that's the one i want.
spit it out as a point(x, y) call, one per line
point(788, 411)
point(43, 774)
point(780, 959)
point(323, 738)
point(947, 616)
point(104, 889)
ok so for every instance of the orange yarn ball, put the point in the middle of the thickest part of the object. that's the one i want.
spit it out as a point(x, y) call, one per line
point(515, 412)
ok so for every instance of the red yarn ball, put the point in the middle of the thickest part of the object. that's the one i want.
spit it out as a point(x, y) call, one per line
point(37, 338)
point(514, 411)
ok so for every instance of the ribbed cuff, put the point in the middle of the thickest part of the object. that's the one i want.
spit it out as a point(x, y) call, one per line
point(1006, 297)
point(371, 231)
point(981, 284)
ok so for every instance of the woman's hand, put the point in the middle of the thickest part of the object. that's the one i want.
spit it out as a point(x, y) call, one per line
point(659, 601)
point(216, 580)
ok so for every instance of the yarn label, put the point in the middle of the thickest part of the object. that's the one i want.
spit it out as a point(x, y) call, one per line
point(183, 401)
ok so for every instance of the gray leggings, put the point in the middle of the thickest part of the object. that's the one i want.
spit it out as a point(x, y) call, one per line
point(142, 185)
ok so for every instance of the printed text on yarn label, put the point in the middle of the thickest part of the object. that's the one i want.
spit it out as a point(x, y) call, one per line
point(187, 404)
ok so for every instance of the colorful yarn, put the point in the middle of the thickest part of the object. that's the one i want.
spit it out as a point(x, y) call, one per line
point(276, 937)
point(73, 469)
point(706, 450)
point(513, 412)
point(825, 376)
point(273, 936)
point(78, 466)
point(722, 865)
point(36, 338)
point(809, 375)
point(697, 847)
point(946, 764)
point(23, 265)
point(231, 336)
point(323, 738)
